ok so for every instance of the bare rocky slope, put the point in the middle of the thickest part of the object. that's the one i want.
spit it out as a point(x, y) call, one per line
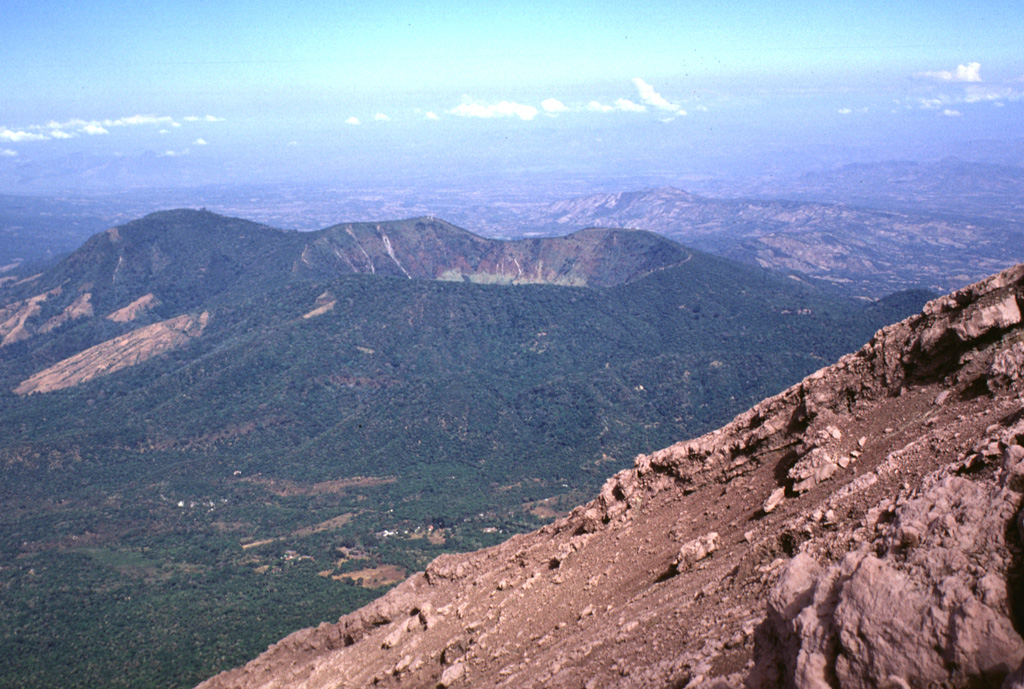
point(859, 529)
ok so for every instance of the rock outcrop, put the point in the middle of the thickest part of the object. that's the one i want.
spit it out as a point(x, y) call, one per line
point(860, 529)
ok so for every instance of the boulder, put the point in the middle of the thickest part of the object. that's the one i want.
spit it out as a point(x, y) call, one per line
point(920, 614)
point(696, 550)
point(816, 466)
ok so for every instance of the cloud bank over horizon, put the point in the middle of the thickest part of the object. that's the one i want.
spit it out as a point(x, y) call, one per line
point(367, 89)
point(505, 108)
point(962, 86)
point(72, 128)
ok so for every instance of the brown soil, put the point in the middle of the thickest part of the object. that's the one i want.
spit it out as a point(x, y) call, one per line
point(286, 488)
point(373, 578)
point(328, 525)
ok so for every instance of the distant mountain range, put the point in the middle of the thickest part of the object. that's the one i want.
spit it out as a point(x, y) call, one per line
point(862, 251)
point(868, 229)
point(182, 259)
point(211, 424)
point(35, 229)
point(952, 186)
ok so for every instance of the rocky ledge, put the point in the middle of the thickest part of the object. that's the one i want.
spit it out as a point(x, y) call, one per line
point(859, 529)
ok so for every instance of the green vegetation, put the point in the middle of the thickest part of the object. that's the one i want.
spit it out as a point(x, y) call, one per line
point(173, 519)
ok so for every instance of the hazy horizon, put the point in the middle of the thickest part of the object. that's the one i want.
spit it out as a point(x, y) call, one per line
point(106, 96)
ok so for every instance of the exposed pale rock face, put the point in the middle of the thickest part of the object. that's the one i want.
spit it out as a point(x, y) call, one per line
point(860, 529)
point(115, 354)
point(999, 314)
point(933, 608)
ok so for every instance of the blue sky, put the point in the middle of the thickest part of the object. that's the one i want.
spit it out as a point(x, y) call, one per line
point(281, 90)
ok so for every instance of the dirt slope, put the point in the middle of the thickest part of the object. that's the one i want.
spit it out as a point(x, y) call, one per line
point(857, 530)
point(115, 354)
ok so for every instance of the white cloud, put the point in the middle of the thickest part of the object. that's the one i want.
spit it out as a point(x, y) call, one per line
point(844, 111)
point(651, 97)
point(553, 105)
point(199, 142)
point(352, 120)
point(70, 124)
point(138, 119)
point(503, 109)
point(627, 105)
point(76, 126)
point(80, 126)
point(7, 153)
point(431, 115)
point(11, 135)
point(130, 121)
point(951, 113)
point(674, 116)
point(381, 117)
point(982, 94)
point(173, 154)
point(622, 104)
point(972, 94)
point(969, 72)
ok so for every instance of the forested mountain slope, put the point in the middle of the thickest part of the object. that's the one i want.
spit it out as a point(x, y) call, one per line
point(225, 427)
